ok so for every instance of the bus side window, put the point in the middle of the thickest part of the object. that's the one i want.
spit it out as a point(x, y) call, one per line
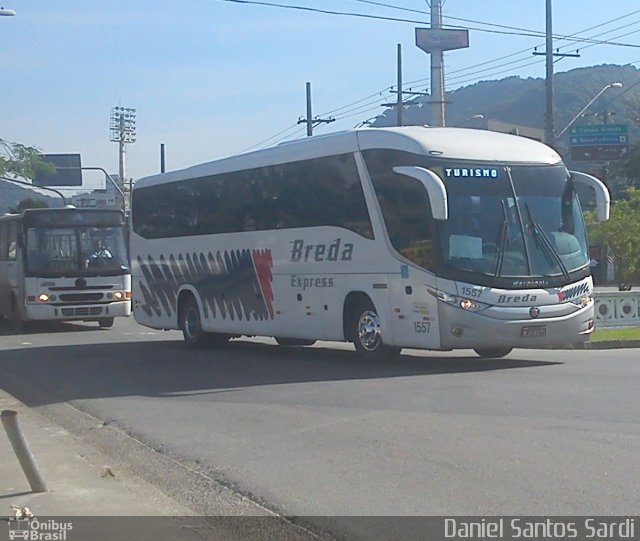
point(406, 211)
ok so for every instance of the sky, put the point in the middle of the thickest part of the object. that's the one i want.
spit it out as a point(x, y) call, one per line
point(213, 78)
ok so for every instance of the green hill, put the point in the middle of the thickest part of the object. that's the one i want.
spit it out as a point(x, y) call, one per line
point(521, 101)
point(11, 194)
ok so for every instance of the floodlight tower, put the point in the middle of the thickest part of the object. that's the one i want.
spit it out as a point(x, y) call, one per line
point(123, 132)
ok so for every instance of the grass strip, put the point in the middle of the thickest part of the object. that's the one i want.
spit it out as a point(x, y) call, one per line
point(626, 333)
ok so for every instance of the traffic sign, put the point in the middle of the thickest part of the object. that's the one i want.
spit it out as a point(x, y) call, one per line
point(591, 153)
point(600, 129)
point(599, 142)
point(616, 139)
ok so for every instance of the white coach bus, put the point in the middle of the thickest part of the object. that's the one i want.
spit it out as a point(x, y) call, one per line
point(434, 238)
point(64, 264)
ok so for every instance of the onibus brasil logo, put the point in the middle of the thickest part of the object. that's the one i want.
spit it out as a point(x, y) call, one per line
point(24, 525)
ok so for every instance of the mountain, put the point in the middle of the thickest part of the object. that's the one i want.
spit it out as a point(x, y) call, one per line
point(11, 194)
point(521, 101)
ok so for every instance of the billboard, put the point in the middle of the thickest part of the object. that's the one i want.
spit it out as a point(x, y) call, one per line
point(432, 39)
point(62, 176)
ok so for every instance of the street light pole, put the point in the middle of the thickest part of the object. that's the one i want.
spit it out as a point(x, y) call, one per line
point(607, 87)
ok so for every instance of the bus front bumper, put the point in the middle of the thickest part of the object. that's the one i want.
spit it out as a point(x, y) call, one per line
point(462, 329)
point(77, 312)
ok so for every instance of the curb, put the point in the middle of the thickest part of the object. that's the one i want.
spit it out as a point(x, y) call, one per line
point(603, 344)
point(612, 344)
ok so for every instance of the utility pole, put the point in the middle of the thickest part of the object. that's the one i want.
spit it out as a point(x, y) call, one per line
point(310, 121)
point(399, 105)
point(550, 122)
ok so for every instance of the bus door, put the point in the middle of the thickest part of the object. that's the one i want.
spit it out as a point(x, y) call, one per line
point(414, 310)
point(10, 269)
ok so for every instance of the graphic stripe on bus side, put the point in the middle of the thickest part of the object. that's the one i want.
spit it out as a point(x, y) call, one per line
point(234, 283)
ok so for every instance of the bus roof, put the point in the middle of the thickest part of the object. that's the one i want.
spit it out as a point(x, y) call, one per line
point(451, 143)
point(68, 215)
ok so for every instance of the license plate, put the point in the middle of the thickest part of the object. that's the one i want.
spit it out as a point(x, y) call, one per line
point(535, 331)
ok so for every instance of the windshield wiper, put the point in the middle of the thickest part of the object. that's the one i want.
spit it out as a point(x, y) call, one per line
point(542, 240)
point(503, 240)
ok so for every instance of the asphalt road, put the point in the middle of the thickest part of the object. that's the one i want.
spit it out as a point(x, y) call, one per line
point(318, 431)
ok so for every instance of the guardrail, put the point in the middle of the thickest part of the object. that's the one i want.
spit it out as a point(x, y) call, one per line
point(617, 309)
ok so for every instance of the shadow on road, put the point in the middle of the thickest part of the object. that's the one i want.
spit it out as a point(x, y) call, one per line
point(39, 327)
point(165, 368)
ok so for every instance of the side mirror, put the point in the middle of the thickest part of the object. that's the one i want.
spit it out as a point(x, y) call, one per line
point(603, 200)
point(434, 186)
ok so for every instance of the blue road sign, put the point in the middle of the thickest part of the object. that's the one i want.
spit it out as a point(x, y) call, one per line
point(601, 129)
point(599, 143)
point(617, 139)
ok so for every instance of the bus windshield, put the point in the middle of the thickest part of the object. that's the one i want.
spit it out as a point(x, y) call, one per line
point(76, 251)
point(513, 222)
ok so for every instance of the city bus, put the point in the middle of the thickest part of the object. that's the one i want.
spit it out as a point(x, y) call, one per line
point(64, 264)
point(390, 238)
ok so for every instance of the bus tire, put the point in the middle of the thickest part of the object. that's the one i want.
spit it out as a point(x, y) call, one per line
point(367, 334)
point(190, 323)
point(493, 353)
point(106, 322)
point(292, 342)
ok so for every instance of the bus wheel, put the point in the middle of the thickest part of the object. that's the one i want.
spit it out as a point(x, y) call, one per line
point(105, 322)
point(367, 334)
point(493, 353)
point(191, 324)
point(290, 342)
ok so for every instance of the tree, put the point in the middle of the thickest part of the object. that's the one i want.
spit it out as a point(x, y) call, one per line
point(29, 203)
point(621, 233)
point(18, 160)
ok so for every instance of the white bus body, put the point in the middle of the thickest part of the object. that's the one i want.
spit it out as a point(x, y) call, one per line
point(48, 269)
point(434, 238)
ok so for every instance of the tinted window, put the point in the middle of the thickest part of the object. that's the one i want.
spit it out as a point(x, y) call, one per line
point(323, 191)
point(405, 207)
point(8, 240)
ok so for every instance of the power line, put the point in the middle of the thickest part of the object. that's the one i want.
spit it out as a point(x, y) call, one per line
point(348, 110)
point(526, 33)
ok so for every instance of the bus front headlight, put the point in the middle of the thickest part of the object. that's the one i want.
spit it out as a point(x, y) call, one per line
point(586, 300)
point(461, 302)
point(118, 295)
point(43, 297)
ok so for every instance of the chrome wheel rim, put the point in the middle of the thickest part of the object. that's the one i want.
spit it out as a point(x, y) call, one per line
point(191, 324)
point(369, 330)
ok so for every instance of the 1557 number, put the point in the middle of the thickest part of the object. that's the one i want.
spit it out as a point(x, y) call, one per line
point(422, 327)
